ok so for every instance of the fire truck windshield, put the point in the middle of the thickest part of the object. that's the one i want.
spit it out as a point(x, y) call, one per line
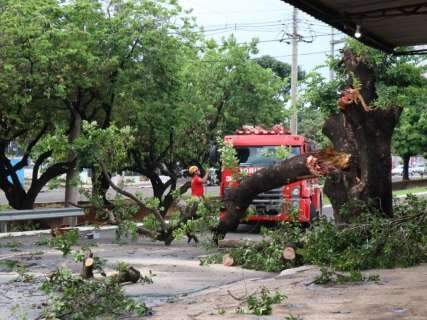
point(264, 156)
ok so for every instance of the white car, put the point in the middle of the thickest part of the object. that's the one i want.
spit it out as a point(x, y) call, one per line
point(417, 170)
point(398, 171)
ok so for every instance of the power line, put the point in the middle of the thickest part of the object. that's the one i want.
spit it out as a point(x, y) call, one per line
point(281, 56)
point(244, 23)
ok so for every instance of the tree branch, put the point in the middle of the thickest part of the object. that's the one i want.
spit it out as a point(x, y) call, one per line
point(24, 160)
point(219, 106)
point(132, 197)
point(39, 162)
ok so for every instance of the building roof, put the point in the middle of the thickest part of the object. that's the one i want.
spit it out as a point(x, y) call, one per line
point(387, 25)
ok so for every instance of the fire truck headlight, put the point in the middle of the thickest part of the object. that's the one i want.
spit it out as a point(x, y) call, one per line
point(295, 192)
point(295, 204)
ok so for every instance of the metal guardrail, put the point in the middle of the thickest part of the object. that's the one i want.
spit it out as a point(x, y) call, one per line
point(37, 214)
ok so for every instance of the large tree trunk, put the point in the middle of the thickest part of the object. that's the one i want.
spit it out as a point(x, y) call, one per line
point(367, 137)
point(16, 195)
point(71, 189)
point(238, 199)
point(366, 134)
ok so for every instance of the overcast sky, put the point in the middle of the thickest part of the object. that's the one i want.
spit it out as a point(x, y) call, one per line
point(269, 21)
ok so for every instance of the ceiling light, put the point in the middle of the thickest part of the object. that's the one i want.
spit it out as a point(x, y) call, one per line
point(358, 34)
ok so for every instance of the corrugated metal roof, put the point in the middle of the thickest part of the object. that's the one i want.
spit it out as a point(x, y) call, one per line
point(386, 24)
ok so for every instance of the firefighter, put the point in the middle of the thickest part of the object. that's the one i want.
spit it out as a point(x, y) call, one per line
point(197, 191)
point(197, 188)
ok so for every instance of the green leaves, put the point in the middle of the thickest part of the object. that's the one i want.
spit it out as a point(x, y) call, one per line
point(371, 241)
point(64, 242)
point(71, 297)
point(109, 145)
point(260, 304)
point(228, 154)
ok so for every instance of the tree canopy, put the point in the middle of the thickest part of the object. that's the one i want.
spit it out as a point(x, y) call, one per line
point(137, 63)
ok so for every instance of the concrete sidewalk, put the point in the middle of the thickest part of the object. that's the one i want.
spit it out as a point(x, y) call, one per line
point(176, 267)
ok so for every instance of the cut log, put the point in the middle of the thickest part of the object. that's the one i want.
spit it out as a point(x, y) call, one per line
point(88, 265)
point(289, 253)
point(129, 275)
point(227, 260)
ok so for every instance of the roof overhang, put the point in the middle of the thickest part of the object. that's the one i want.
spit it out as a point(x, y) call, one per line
point(388, 25)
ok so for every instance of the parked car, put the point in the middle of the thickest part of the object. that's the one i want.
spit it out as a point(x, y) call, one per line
point(417, 170)
point(397, 171)
point(213, 177)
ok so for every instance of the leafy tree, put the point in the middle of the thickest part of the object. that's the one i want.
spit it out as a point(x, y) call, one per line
point(68, 62)
point(207, 96)
point(280, 68)
point(409, 89)
point(229, 89)
point(318, 100)
point(384, 82)
point(26, 107)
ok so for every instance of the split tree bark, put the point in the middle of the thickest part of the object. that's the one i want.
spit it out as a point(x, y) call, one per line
point(366, 135)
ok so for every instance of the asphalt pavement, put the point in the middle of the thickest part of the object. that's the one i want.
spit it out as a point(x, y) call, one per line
point(57, 195)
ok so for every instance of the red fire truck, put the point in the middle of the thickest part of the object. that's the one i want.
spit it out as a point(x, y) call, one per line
point(255, 147)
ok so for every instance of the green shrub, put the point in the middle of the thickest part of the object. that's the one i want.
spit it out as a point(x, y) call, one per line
point(370, 241)
point(65, 241)
point(71, 297)
point(260, 304)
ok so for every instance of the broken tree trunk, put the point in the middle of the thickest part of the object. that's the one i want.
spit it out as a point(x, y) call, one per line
point(289, 253)
point(227, 260)
point(130, 274)
point(238, 199)
point(365, 133)
point(87, 268)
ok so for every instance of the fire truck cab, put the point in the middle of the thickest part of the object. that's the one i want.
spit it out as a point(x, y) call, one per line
point(255, 149)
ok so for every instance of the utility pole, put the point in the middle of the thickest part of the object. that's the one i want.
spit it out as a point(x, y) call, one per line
point(331, 71)
point(294, 74)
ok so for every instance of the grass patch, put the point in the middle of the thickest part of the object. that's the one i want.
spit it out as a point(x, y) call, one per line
point(396, 193)
point(404, 192)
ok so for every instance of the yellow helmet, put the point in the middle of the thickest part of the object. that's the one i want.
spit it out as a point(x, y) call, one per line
point(192, 170)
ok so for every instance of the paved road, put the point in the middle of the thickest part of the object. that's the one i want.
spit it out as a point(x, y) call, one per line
point(57, 195)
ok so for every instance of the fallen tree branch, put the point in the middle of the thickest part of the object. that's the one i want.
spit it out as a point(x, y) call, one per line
point(141, 204)
point(238, 199)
